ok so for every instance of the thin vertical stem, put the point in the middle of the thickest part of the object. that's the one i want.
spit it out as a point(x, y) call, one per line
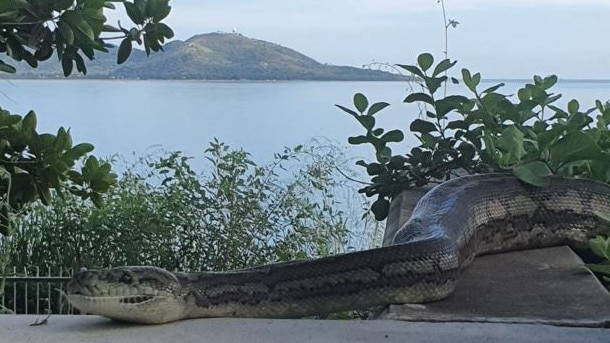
point(446, 27)
point(25, 291)
point(37, 291)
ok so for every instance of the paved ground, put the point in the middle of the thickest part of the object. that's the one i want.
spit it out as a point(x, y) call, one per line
point(73, 329)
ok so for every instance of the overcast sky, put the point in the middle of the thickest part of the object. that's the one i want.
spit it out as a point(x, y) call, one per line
point(499, 38)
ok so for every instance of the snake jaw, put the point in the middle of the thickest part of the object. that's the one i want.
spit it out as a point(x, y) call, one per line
point(136, 299)
point(137, 294)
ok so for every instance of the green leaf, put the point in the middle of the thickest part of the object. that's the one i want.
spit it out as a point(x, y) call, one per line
point(78, 151)
point(511, 142)
point(434, 83)
point(535, 173)
point(361, 163)
point(412, 69)
point(574, 146)
point(164, 30)
point(368, 122)
point(44, 194)
point(157, 9)
point(393, 136)
point(458, 124)
point(7, 68)
point(442, 66)
point(124, 50)
point(66, 64)
point(599, 268)
point(29, 121)
point(63, 141)
point(471, 81)
point(605, 217)
point(4, 174)
point(413, 97)
point(61, 5)
point(97, 200)
point(577, 121)
point(80, 64)
point(5, 222)
point(14, 48)
point(425, 61)
point(384, 154)
point(134, 13)
point(357, 140)
point(375, 169)
point(551, 99)
point(377, 132)
point(65, 27)
point(600, 247)
point(422, 126)
point(448, 104)
point(549, 82)
point(347, 110)
point(493, 88)
point(380, 208)
point(573, 106)
point(86, 29)
point(376, 107)
point(360, 102)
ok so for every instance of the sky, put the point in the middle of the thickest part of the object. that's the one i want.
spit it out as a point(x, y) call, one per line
point(499, 38)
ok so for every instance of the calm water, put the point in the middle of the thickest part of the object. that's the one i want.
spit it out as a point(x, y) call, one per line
point(263, 117)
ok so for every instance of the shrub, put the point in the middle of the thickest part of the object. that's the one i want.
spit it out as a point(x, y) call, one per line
point(163, 213)
point(489, 132)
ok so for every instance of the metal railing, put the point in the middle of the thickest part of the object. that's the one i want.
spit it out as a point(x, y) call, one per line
point(35, 291)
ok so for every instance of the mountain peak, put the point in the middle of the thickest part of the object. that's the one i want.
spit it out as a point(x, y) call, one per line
point(220, 56)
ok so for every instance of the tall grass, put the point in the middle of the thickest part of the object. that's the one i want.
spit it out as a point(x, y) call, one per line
point(235, 214)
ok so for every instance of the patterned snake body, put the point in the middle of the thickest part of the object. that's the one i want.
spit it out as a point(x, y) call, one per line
point(453, 223)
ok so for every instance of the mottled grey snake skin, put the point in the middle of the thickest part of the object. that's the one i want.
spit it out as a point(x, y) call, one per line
point(453, 223)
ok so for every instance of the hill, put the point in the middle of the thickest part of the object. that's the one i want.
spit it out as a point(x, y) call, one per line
point(214, 56)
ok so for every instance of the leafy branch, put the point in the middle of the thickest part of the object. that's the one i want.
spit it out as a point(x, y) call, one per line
point(489, 132)
point(31, 30)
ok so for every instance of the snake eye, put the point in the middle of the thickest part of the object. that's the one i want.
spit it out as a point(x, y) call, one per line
point(126, 278)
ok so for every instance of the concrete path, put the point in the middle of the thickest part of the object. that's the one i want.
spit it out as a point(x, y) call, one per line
point(73, 329)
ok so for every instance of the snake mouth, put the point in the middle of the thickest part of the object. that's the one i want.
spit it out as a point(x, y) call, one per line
point(83, 297)
point(136, 299)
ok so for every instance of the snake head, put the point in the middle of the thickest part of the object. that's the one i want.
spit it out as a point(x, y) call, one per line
point(147, 295)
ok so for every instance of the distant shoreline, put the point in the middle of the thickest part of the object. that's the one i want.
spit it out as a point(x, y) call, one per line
point(184, 80)
point(61, 78)
point(558, 80)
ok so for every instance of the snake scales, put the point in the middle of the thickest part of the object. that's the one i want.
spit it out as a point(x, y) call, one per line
point(453, 223)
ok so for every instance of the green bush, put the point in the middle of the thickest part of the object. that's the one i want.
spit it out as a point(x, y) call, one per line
point(236, 214)
point(488, 132)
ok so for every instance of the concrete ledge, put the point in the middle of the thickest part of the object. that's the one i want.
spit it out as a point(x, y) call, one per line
point(72, 329)
point(549, 286)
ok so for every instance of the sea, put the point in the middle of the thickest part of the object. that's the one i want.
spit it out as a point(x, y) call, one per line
point(138, 117)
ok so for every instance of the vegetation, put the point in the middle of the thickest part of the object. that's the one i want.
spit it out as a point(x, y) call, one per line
point(31, 30)
point(220, 56)
point(601, 247)
point(234, 215)
point(34, 166)
point(489, 132)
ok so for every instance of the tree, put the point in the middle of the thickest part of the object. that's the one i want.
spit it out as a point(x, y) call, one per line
point(33, 164)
